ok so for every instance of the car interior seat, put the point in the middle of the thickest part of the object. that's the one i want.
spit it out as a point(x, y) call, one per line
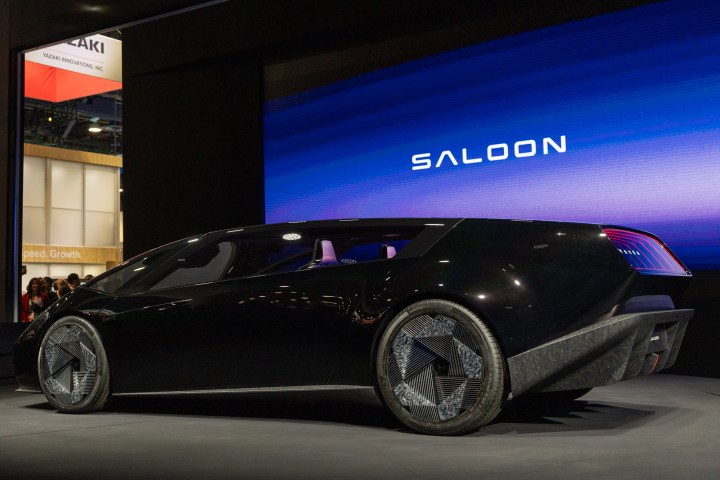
point(387, 251)
point(323, 254)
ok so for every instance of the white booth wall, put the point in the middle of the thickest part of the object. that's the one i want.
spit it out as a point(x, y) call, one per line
point(69, 204)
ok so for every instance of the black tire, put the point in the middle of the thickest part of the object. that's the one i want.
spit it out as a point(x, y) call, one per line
point(73, 368)
point(440, 369)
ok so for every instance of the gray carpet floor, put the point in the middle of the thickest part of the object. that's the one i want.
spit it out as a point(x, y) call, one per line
point(657, 427)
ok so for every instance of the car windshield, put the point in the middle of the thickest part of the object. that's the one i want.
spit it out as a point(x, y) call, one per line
point(131, 272)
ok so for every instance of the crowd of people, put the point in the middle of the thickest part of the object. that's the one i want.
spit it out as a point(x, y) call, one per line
point(41, 292)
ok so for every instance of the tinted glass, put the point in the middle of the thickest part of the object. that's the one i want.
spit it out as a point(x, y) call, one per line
point(231, 257)
point(126, 275)
point(205, 265)
point(244, 255)
point(367, 250)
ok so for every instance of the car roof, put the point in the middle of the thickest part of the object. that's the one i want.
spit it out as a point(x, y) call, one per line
point(341, 223)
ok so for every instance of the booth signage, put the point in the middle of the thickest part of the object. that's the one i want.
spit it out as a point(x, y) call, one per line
point(96, 55)
point(56, 254)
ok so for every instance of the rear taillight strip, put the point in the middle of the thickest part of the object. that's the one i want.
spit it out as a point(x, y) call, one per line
point(644, 252)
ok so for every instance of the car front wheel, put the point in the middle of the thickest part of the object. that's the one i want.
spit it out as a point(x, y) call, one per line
point(440, 369)
point(73, 368)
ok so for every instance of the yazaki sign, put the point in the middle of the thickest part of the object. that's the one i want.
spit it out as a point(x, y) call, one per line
point(97, 56)
point(80, 67)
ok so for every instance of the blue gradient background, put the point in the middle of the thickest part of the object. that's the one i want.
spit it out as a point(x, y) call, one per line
point(636, 93)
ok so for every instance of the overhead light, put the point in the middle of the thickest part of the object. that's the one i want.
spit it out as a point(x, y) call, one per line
point(94, 125)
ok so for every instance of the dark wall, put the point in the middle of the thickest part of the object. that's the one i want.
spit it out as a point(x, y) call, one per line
point(698, 355)
point(190, 167)
point(8, 264)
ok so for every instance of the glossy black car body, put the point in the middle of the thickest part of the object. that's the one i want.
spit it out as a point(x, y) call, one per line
point(267, 306)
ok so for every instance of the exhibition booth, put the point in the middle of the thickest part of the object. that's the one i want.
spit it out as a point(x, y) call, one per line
point(71, 212)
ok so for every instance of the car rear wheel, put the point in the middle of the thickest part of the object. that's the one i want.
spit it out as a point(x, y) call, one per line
point(73, 368)
point(440, 369)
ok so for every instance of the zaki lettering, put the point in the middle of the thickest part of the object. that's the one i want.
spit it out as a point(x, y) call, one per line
point(88, 44)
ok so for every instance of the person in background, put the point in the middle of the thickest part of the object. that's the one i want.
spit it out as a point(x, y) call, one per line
point(23, 272)
point(59, 285)
point(88, 277)
point(73, 281)
point(34, 301)
point(49, 290)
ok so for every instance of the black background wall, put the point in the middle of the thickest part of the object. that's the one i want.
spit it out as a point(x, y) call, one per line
point(192, 167)
point(194, 82)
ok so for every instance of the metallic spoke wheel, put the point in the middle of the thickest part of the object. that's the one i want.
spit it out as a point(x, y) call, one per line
point(72, 366)
point(440, 370)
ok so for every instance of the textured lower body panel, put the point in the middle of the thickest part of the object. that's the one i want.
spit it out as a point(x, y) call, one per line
point(616, 349)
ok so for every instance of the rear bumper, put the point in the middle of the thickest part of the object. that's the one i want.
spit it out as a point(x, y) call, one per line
point(616, 349)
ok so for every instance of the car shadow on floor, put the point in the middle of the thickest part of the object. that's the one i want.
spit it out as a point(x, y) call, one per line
point(349, 408)
point(577, 415)
point(364, 409)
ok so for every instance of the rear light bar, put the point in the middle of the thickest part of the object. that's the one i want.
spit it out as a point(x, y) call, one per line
point(645, 252)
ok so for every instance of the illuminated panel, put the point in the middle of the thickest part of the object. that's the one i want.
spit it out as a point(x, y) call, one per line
point(645, 253)
point(612, 120)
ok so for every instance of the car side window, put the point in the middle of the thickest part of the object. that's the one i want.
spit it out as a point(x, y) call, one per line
point(372, 250)
point(230, 257)
point(257, 256)
point(205, 265)
point(348, 246)
point(244, 255)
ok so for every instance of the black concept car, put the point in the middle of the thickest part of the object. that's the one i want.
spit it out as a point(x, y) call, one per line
point(444, 318)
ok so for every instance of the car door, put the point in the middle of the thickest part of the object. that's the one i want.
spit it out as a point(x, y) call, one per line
point(192, 328)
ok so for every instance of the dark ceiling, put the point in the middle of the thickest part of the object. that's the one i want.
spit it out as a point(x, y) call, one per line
point(66, 124)
point(301, 45)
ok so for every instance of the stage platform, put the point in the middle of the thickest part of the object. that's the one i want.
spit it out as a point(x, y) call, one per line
point(659, 427)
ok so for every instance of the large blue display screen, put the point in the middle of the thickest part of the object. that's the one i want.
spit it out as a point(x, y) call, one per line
point(612, 120)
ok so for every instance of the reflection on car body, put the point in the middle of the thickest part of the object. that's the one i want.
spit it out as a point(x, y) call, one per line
point(444, 318)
